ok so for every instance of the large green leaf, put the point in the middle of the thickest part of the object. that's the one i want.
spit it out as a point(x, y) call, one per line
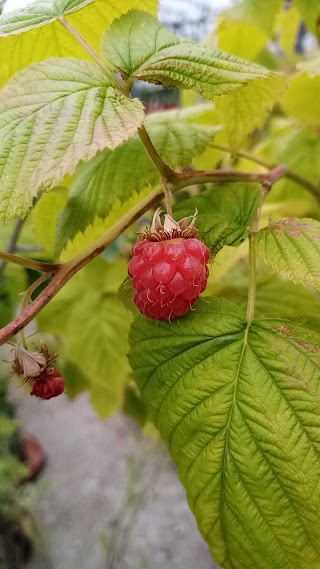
point(224, 213)
point(113, 177)
point(46, 36)
point(52, 115)
point(173, 61)
point(239, 409)
point(292, 247)
point(94, 325)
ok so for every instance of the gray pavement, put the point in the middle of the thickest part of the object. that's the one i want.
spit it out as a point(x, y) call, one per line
point(109, 497)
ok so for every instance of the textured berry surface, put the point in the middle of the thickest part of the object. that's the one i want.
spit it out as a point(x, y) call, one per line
point(48, 385)
point(168, 276)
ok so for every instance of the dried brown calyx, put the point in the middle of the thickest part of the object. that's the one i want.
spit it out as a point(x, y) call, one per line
point(33, 364)
point(171, 229)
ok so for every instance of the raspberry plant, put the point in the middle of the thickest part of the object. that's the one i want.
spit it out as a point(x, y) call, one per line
point(233, 384)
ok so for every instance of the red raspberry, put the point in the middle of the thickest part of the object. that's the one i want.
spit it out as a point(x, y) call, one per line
point(48, 385)
point(168, 276)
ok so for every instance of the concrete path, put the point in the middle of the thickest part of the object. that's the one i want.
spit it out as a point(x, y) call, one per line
point(109, 497)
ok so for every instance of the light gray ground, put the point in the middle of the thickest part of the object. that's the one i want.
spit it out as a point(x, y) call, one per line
point(109, 497)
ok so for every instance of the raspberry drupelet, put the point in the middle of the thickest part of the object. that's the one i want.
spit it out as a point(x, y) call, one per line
point(168, 268)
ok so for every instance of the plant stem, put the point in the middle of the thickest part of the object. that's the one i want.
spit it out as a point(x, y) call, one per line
point(163, 168)
point(252, 279)
point(29, 263)
point(82, 41)
point(27, 299)
point(290, 175)
point(68, 270)
point(167, 195)
point(12, 243)
point(186, 179)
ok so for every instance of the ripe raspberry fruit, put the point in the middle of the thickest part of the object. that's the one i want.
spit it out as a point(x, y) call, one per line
point(48, 385)
point(169, 268)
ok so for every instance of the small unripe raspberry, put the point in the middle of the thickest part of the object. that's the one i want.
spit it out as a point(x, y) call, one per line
point(168, 269)
point(48, 385)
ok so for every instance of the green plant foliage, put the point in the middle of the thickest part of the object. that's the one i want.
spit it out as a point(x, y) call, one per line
point(262, 15)
point(46, 37)
point(113, 177)
point(224, 213)
point(12, 282)
point(249, 89)
point(238, 408)
point(292, 247)
point(99, 226)
point(299, 148)
point(44, 217)
point(274, 295)
point(300, 99)
point(310, 13)
point(94, 325)
point(69, 106)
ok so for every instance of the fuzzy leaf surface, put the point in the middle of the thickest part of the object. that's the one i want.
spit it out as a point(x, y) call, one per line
point(46, 37)
point(292, 247)
point(178, 62)
point(239, 409)
point(52, 115)
point(224, 213)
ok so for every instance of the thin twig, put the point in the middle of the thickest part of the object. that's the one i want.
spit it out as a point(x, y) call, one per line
point(82, 41)
point(30, 263)
point(165, 170)
point(290, 174)
point(167, 195)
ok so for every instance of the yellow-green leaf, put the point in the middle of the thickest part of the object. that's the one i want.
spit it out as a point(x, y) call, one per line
point(46, 37)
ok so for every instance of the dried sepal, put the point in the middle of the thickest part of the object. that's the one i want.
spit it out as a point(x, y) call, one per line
point(32, 364)
point(171, 229)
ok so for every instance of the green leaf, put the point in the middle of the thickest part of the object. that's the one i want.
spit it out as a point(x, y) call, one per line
point(224, 213)
point(177, 62)
point(94, 325)
point(111, 178)
point(249, 18)
point(238, 407)
point(92, 232)
point(52, 115)
point(303, 91)
point(244, 110)
point(45, 215)
point(310, 13)
point(46, 37)
point(289, 23)
point(274, 295)
point(292, 247)
point(233, 38)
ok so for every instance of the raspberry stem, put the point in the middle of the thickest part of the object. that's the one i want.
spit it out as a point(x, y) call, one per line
point(167, 195)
